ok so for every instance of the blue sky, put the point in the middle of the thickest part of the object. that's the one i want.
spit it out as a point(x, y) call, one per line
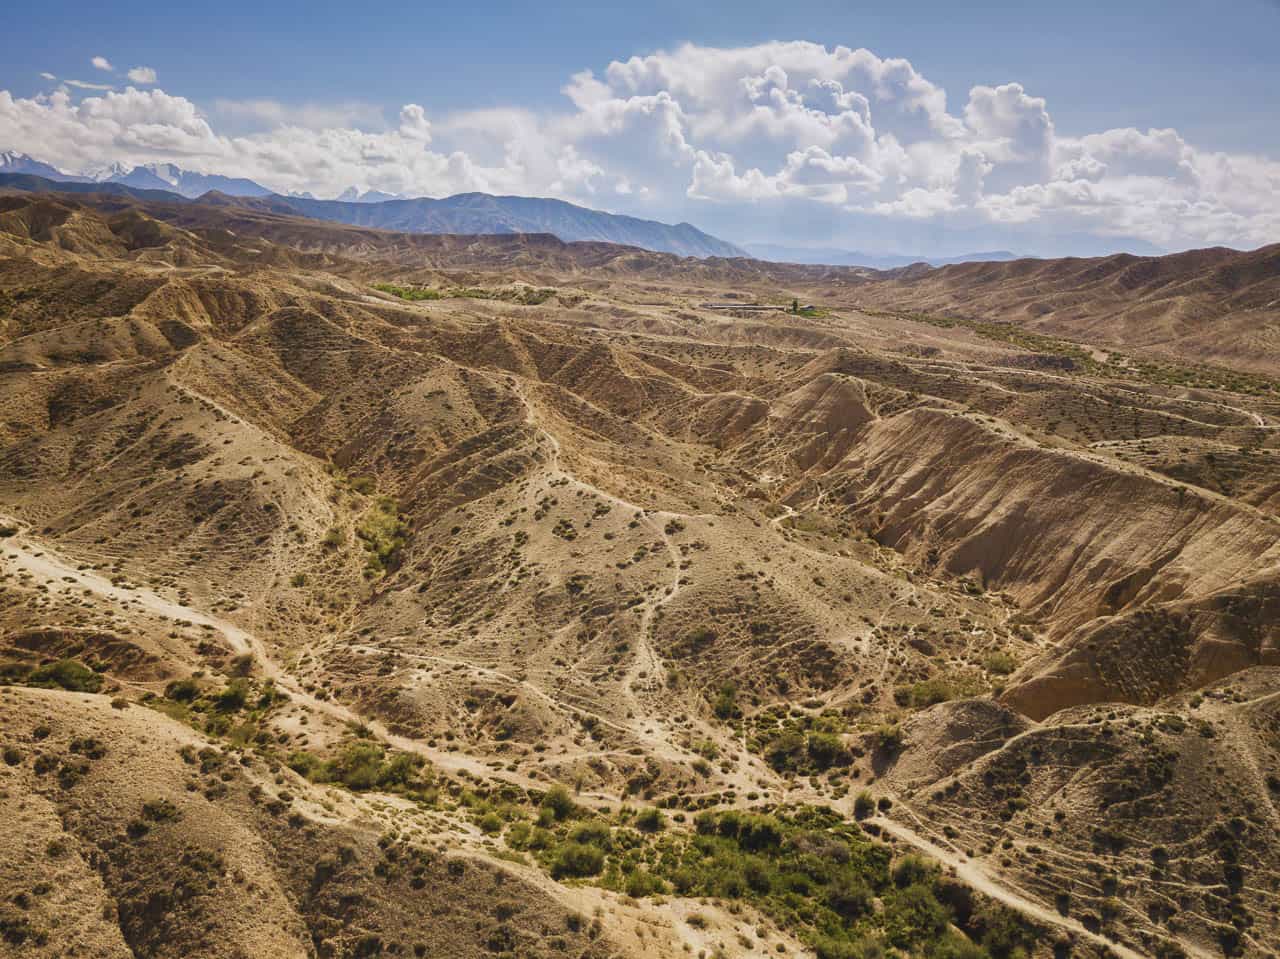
point(479, 72)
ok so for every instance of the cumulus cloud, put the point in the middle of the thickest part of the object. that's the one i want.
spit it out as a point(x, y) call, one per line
point(807, 132)
point(414, 123)
point(266, 113)
point(102, 63)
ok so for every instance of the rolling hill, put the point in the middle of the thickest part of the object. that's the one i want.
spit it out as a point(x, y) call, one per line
point(375, 593)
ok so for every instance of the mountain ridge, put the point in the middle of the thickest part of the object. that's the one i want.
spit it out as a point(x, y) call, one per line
point(468, 213)
point(489, 213)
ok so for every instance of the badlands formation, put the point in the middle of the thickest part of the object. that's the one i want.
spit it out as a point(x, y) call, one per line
point(371, 594)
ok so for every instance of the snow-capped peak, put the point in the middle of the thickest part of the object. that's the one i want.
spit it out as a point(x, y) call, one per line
point(11, 161)
point(165, 171)
point(103, 173)
point(353, 194)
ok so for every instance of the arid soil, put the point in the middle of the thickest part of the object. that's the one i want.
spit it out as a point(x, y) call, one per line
point(980, 562)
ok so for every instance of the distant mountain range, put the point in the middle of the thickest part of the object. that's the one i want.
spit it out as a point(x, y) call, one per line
point(352, 195)
point(465, 213)
point(11, 162)
point(484, 213)
point(149, 176)
point(166, 176)
point(830, 256)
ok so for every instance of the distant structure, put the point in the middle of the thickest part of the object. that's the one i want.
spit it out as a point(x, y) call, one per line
point(758, 307)
point(749, 307)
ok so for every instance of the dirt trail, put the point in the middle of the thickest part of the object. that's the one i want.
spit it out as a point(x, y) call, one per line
point(25, 553)
point(972, 874)
point(644, 675)
point(40, 560)
point(647, 660)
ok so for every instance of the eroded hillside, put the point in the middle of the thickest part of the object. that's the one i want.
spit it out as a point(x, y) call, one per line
point(469, 595)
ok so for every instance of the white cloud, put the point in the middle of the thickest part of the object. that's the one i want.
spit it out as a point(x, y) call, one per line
point(102, 63)
point(714, 178)
point(266, 114)
point(805, 132)
point(414, 123)
point(48, 76)
point(1011, 125)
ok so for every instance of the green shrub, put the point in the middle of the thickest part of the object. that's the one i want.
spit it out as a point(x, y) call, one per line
point(753, 831)
point(650, 819)
point(956, 946)
point(182, 690)
point(66, 674)
point(362, 765)
point(786, 753)
point(914, 915)
point(233, 696)
point(928, 692)
point(863, 947)
point(850, 897)
point(912, 869)
point(643, 883)
point(890, 739)
point(401, 769)
point(383, 533)
point(863, 805)
point(1000, 663)
point(725, 705)
point(410, 293)
point(518, 835)
point(594, 833)
point(1003, 936)
point(303, 763)
point(359, 766)
point(559, 802)
point(827, 750)
point(160, 810)
point(576, 859)
point(693, 642)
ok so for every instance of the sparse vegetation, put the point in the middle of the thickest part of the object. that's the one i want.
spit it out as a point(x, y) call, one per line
point(808, 871)
point(66, 674)
point(411, 293)
point(999, 663)
point(383, 533)
point(361, 765)
point(930, 692)
point(526, 295)
point(699, 566)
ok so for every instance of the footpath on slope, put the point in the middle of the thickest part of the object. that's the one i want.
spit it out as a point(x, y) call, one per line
point(39, 560)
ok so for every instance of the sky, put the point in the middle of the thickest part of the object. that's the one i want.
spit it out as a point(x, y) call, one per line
point(926, 128)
